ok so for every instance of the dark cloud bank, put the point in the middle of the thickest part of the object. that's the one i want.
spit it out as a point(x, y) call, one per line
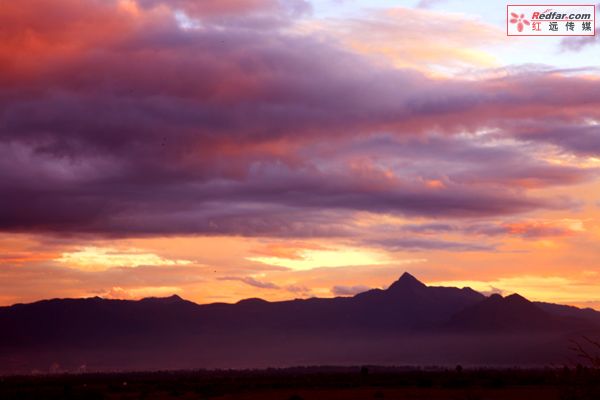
point(126, 124)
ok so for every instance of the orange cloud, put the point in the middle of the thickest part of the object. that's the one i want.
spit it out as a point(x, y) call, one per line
point(289, 250)
point(545, 228)
point(436, 43)
point(38, 35)
point(140, 292)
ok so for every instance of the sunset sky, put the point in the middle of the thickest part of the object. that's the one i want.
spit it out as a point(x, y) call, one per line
point(225, 149)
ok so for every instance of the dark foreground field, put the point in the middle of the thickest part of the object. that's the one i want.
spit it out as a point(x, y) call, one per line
point(312, 384)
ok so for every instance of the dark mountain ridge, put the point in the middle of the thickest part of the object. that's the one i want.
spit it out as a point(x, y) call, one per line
point(408, 323)
point(513, 313)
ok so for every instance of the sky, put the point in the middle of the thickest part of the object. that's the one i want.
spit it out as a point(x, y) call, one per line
point(280, 149)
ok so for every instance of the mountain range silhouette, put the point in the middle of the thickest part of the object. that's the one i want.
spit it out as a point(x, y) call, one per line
point(407, 324)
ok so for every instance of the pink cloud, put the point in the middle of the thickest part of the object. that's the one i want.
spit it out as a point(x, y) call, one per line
point(146, 128)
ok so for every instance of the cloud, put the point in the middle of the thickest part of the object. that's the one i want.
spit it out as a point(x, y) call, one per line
point(287, 250)
point(248, 280)
point(384, 34)
point(428, 3)
point(472, 235)
point(425, 244)
point(229, 140)
point(575, 43)
point(530, 229)
point(492, 290)
point(139, 292)
point(299, 290)
point(583, 139)
point(94, 258)
point(340, 290)
point(578, 43)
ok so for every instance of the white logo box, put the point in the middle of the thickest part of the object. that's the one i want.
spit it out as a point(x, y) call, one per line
point(550, 20)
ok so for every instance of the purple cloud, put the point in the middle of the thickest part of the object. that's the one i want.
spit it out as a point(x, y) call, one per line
point(246, 129)
point(340, 290)
point(248, 280)
point(426, 244)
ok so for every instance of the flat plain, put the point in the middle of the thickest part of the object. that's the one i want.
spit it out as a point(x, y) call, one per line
point(315, 383)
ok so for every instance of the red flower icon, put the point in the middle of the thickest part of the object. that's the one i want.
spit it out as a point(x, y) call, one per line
point(519, 20)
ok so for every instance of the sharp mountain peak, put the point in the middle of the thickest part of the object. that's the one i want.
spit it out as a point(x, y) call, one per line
point(407, 281)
